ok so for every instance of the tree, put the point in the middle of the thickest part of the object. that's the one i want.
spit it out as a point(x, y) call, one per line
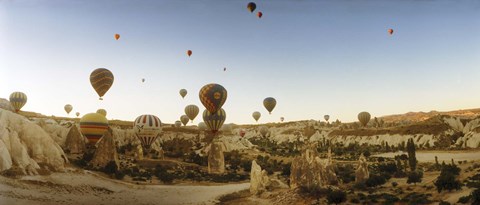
point(412, 159)
point(414, 177)
point(336, 197)
point(387, 147)
point(447, 179)
point(476, 197)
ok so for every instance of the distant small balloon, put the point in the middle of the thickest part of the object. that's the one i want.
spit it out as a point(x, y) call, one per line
point(259, 14)
point(184, 119)
point(256, 115)
point(178, 123)
point(251, 7)
point(282, 119)
point(183, 93)
point(68, 108)
point(189, 53)
point(326, 117)
point(143, 80)
point(18, 100)
point(117, 36)
point(269, 103)
point(390, 31)
point(102, 112)
point(77, 114)
point(364, 118)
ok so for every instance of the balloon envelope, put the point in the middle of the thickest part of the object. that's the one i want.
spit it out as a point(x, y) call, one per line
point(213, 96)
point(147, 129)
point(117, 36)
point(251, 6)
point(364, 118)
point(183, 93)
point(102, 112)
point(214, 121)
point(93, 126)
point(264, 131)
point(68, 108)
point(178, 123)
point(390, 31)
point(192, 111)
point(189, 53)
point(242, 133)
point(259, 14)
point(101, 80)
point(256, 115)
point(326, 117)
point(77, 114)
point(269, 103)
point(18, 100)
point(184, 119)
point(282, 119)
point(202, 126)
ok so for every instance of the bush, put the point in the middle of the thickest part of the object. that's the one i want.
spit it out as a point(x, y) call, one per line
point(394, 184)
point(110, 168)
point(119, 174)
point(336, 197)
point(444, 203)
point(375, 180)
point(447, 181)
point(464, 199)
point(476, 197)
point(416, 198)
point(414, 177)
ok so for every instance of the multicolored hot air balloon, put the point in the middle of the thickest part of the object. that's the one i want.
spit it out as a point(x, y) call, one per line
point(282, 119)
point(256, 115)
point(326, 117)
point(184, 119)
point(189, 53)
point(102, 112)
point(251, 7)
point(259, 14)
point(213, 96)
point(269, 103)
point(117, 36)
point(264, 131)
point(178, 123)
point(183, 93)
point(214, 121)
point(18, 100)
point(364, 118)
point(242, 133)
point(77, 114)
point(101, 80)
point(147, 128)
point(68, 108)
point(192, 111)
point(93, 126)
point(390, 31)
point(202, 126)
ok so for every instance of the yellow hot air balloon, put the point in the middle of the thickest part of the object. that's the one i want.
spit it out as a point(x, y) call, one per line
point(93, 126)
point(147, 129)
point(102, 112)
point(101, 80)
point(269, 103)
point(178, 123)
point(364, 118)
point(117, 36)
point(192, 111)
point(214, 121)
point(18, 100)
point(68, 108)
point(184, 120)
point(256, 115)
point(183, 93)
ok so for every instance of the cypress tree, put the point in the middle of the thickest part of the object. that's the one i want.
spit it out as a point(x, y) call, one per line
point(412, 159)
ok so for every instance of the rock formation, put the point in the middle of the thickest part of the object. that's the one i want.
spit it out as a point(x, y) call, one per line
point(75, 142)
point(259, 180)
point(105, 151)
point(6, 105)
point(216, 159)
point(361, 173)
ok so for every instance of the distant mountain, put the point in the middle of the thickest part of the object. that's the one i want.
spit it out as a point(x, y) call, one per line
point(421, 116)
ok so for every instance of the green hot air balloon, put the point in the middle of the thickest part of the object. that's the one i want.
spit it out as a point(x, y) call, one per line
point(214, 121)
point(192, 111)
point(256, 115)
point(269, 103)
point(213, 96)
point(18, 100)
point(364, 118)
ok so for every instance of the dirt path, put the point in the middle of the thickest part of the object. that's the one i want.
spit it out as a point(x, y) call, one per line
point(447, 156)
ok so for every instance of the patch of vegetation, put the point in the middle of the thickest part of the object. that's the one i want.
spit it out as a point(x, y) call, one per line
point(416, 198)
point(448, 178)
point(336, 196)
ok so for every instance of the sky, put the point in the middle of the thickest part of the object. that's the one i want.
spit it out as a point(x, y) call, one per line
point(315, 57)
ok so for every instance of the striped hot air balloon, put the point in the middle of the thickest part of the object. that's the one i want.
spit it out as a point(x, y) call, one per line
point(68, 108)
point(213, 96)
point(192, 111)
point(269, 103)
point(178, 123)
point(101, 80)
point(18, 100)
point(184, 119)
point(102, 112)
point(364, 118)
point(214, 121)
point(147, 129)
point(93, 126)
point(256, 115)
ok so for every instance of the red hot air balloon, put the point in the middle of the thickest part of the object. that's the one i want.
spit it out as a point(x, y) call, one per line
point(259, 14)
point(242, 133)
point(390, 31)
point(189, 53)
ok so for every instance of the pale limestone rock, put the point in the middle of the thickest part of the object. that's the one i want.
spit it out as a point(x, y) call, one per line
point(75, 142)
point(5, 158)
point(216, 159)
point(362, 173)
point(259, 180)
point(6, 105)
point(105, 151)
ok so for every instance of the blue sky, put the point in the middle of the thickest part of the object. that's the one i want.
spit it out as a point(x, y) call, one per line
point(315, 57)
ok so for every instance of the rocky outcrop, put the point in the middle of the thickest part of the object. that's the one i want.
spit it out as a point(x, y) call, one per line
point(216, 159)
point(75, 142)
point(105, 151)
point(309, 171)
point(6, 105)
point(361, 173)
point(259, 180)
point(27, 145)
point(454, 123)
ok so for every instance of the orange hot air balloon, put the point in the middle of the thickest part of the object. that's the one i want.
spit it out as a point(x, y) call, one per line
point(390, 31)
point(189, 53)
point(259, 14)
point(117, 36)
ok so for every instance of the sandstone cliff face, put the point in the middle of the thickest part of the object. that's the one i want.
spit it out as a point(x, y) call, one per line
point(75, 142)
point(259, 180)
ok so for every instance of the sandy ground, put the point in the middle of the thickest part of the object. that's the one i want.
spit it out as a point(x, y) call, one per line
point(447, 156)
point(83, 187)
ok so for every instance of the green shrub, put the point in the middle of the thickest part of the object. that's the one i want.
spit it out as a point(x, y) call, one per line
point(464, 199)
point(336, 197)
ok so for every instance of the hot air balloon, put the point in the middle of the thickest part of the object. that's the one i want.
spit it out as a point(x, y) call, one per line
point(183, 93)
point(256, 115)
point(214, 121)
point(184, 119)
point(68, 108)
point(117, 36)
point(93, 126)
point(101, 80)
point(264, 131)
point(364, 118)
point(251, 7)
point(390, 31)
point(282, 119)
point(143, 80)
point(77, 114)
point(326, 117)
point(18, 100)
point(189, 53)
point(269, 103)
point(213, 96)
point(242, 133)
point(202, 126)
point(192, 111)
point(147, 128)
point(102, 112)
point(178, 123)
point(224, 69)
point(259, 14)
